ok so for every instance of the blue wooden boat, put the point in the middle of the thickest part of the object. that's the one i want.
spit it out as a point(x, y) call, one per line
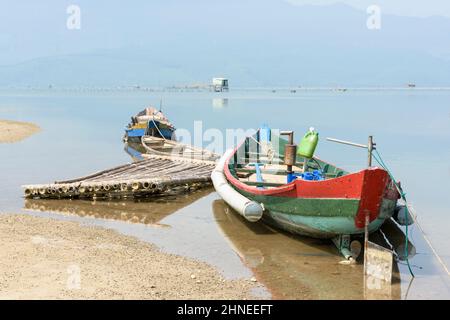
point(149, 122)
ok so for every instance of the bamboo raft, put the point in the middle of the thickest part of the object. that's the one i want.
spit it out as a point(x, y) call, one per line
point(153, 176)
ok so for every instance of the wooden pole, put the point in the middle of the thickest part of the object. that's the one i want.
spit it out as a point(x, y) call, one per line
point(366, 240)
point(257, 146)
point(370, 148)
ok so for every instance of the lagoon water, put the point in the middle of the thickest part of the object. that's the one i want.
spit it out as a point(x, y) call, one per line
point(82, 133)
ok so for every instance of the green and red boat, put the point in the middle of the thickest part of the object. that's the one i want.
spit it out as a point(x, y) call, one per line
point(305, 196)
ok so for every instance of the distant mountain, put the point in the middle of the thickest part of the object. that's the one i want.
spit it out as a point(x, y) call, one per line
point(254, 43)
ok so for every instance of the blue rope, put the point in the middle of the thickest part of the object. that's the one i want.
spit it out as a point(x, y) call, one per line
point(378, 158)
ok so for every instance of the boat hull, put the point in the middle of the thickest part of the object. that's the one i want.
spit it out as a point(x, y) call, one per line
point(135, 134)
point(335, 217)
point(327, 208)
point(149, 122)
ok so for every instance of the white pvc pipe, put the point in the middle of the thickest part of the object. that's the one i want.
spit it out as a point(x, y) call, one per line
point(250, 210)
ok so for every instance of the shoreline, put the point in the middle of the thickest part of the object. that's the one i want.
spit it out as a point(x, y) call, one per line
point(15, 131)
point(42, 258)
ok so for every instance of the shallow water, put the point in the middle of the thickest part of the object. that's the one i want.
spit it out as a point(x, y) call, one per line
point(82, 133)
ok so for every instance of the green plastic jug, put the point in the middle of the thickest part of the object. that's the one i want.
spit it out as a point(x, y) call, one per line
point(308, 144)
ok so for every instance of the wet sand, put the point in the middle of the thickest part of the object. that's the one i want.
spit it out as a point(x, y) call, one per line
point(14, 131)
point(41, 258)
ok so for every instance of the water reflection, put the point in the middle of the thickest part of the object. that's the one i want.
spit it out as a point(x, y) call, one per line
point(219, 103)
point(295, 267)
point(134, 150)
point(397, 239)
point(147, 211)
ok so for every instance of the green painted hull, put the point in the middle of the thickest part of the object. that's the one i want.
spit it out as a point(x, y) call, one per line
point(318, 218)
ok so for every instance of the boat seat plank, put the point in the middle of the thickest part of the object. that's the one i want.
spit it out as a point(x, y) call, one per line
point(269, 178)
point(246, 174)
point(263, 184)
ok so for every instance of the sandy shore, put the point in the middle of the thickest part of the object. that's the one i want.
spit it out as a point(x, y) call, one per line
point(14, 131)
point(42, 258)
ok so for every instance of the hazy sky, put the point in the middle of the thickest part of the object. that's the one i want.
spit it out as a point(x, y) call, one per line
point(415, 8)
point(253, 41)
point(30, 29)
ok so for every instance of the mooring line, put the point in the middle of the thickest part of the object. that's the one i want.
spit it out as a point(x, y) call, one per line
point(409, 287)
point(379, 159)
point(429, 244)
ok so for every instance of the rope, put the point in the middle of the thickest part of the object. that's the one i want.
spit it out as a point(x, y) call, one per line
point(270, 152)
point(378, 158)
point(431, 247)
point(162, 136)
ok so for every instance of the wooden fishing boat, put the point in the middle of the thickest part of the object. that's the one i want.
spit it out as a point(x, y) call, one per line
point(151, 133)
point(309, 197)
point(175, 149)
point(150, 146)
point(149, 122)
